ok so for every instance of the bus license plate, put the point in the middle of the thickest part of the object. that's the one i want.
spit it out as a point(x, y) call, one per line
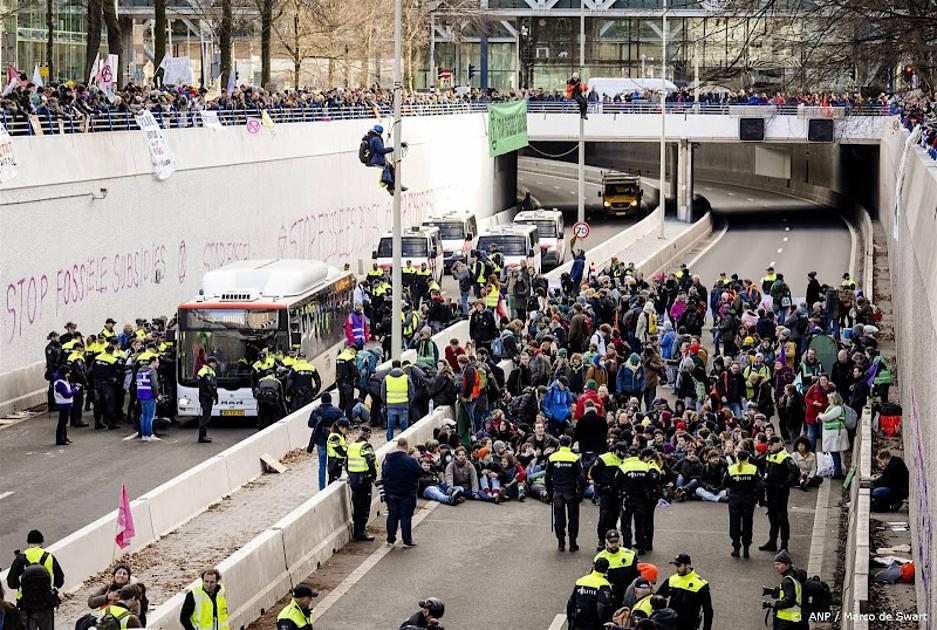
point(232, 412)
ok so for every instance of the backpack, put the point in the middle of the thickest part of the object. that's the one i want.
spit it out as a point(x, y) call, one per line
point(482, 375)
point(497, 348)
point(817, 597)
point(652, 324)
point(851, 418)
point(86, 622)
point(36, 585)
point(364, 149)
point(111, 622)
point(267, 394)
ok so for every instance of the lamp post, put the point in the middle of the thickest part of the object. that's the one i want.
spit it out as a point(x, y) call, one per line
point(581, 198)
point(662, 196)
point(396, 325)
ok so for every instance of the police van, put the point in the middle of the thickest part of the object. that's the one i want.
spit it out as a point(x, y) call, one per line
point(516, 242)
point(418, 245)
point(459, 232)
point(550, 227)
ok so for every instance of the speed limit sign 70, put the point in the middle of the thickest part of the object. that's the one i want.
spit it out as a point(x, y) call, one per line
point(581, 230)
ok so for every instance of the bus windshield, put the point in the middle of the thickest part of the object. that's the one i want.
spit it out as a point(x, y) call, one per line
point(234, 336)
point(545, 228)
point(507, 245)
point(449, 230)
point(409, 247)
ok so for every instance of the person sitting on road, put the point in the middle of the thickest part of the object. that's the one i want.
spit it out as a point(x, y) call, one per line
point(108, 594)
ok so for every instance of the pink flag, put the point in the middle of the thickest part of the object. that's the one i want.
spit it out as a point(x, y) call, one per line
point(125, 530)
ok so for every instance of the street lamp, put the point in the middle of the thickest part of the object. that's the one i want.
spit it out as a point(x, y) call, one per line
point(581, 202)
point(662, 197)
point(396, 324)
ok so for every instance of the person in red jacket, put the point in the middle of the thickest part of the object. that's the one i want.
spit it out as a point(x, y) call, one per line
point(817, 402)
point(592, 394)
point(357, 329)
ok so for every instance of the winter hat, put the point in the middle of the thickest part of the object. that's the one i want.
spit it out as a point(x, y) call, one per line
point(761, 448)
point(634, 358)
point(591, 385)
point(681, 426)
point(498, 444)
point(668, 325)
point(562, 352)
point(326, 398)
point(34, 537)
point(648, 571)
point(784, 558)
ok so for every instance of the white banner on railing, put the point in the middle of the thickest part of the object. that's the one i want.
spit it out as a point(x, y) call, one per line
point(7, 157)
point(164, 164)
point(177, 71)
point(210, 119)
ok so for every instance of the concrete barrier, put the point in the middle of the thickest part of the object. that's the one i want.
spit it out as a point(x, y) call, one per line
point(856, 576)
point(243, 459)
point(668, 255)
point(185, 496)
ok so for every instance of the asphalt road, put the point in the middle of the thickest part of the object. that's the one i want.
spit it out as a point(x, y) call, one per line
point(59, 489)
point(496, 566)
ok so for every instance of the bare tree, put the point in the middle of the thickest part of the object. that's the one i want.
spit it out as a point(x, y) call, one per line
point(93, 36)
point(50, 40)
point(224, 40)
point(159, 36)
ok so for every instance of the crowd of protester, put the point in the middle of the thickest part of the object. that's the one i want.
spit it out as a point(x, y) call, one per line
point(918, 110)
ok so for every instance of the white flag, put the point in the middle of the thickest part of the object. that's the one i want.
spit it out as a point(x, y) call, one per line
point(37, 76)
point(94, 68)
point(210, 119)
point(107, 77)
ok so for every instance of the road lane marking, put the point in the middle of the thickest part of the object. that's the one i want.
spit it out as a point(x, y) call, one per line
point(692, 263)
point(557, 187)
point(787, 229)
point(355, 576)
point(558, 622)
point(780, 249)
point(785, 239)
point(130, 437)
point(731, 194)
point(771, 264)
point(4, 495)
point(750, 199)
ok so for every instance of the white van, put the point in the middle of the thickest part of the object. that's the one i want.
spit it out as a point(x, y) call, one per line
point(550, 227)
point(418, 245)
point(456, 229)
point(516, 243)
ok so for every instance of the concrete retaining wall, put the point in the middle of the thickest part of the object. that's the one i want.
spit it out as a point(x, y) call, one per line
point(856, 576)
point(911, 230)
point(141, 249)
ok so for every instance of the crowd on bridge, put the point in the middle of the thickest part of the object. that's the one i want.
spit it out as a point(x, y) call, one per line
point(918, 111)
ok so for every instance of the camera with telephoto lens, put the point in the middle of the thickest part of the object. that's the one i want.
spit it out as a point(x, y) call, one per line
point(766, 605)
point(767, 591)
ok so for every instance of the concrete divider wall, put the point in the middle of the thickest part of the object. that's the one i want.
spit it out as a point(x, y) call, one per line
point(912, 265)
point(298, 193)
point(856, 575)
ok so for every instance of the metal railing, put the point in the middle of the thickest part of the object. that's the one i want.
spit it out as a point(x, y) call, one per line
point(47, 123)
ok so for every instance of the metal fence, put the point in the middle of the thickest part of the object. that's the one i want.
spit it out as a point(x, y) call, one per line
point(51, 124)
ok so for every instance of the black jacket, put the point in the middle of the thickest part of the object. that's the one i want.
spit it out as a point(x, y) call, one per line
point(401, 474)
point(592, 433)
point(896, 478)
point(19, 565)
point(689, 605)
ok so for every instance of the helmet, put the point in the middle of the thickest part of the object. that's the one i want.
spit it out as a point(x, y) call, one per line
point(379, 128)
point(435, 606)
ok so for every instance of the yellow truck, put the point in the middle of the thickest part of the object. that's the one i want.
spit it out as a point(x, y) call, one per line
point(621, 194)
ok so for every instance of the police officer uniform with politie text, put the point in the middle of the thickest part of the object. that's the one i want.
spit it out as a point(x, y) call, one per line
point(361, 475)
point(689, 595)
point(780, 474)
point(565, 485)
point(207, 396)
point(337, 449)
point(622, 566)
point(590, 605)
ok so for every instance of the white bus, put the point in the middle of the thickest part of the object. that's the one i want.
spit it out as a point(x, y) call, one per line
point(251, 305)
point(516, 243)
point(550, 232)
point(418, 245)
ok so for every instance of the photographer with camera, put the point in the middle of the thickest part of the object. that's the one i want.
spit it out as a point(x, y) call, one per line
point(37, 576)
point(789, 595)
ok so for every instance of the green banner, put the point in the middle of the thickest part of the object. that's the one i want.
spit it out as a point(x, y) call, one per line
point(507, 127)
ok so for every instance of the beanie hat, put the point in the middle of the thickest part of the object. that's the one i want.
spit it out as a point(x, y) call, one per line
point(784, 557)
point(591, 385)
point(761, 448)
point(326, 398)
point(648, 571)
point(34, 537)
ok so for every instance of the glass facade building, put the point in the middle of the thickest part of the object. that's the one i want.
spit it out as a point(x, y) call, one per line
point(733, 44)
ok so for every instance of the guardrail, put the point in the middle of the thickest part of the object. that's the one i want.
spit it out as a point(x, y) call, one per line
point(858, 540)
point(47, 123)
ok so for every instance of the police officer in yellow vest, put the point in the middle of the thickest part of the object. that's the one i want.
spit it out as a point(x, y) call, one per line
point(689, 596)
point(207, 396)
point(106, 373)
point(744, 487)
point(264, 365)
point(108, 331)
point(780, 475)
point(375, 273)
point(480, 270)
point(303, 383)
point(337, 449)
point(565, 484)
point(602, 474)
point(205, 606)
point(590, 605)
point(622, 566)
point(410, 323)
point(35, 594)
point(768, 279)
point(361, 475)
point(298, 613)
point(632, 482)
point(421, 279)
point(789, 595)
point(397, 390)
point(408, 275)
